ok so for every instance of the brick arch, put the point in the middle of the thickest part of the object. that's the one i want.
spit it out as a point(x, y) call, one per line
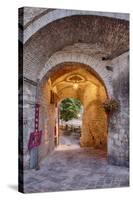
point(92, 63)
point(51, 16)
point(100, 34)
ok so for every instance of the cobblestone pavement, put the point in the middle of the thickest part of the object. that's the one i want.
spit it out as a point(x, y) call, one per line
point(74, 168)
point(71, 140)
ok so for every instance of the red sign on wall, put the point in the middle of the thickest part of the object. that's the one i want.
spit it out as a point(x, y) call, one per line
point(35, 139)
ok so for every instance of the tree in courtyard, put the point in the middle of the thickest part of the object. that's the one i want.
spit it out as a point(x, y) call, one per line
point(69, 109)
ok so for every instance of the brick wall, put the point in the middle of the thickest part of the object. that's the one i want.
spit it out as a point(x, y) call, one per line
point(102, 32)
point(32, 15)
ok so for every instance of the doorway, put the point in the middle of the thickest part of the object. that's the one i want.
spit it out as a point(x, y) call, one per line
point(67, 83)
point(70, 122)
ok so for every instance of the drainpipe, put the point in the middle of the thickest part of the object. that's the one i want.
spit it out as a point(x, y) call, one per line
point(34, 161)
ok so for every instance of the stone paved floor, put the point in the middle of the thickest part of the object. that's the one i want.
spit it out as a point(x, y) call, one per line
point(75, 168)
point(71, 140)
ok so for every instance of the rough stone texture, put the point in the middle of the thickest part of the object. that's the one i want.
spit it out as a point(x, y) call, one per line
point(111, 35)
point(36, 18)
point(29, 93)
point(94, 126)
point(118, 146)
point(47, 121)
point(75, 169)
point(83, 40)
point(27, 15)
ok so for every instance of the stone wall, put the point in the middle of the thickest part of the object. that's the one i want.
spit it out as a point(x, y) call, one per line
point(97, 66)
point(118, 140)
point(36, 18)
point(47, 121)
point(94, 126)
point(29, 93)
point(108, 35)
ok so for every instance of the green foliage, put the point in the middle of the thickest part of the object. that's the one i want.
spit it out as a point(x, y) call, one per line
point(111, 105)
point(69, 109)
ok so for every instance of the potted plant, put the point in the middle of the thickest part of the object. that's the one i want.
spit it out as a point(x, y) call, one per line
point(111, 105)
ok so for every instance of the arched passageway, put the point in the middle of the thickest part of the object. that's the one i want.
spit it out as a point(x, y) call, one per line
point(70, 122)
point(69, 167)
point(82, 55)
point(100, 42)
point(75, 80)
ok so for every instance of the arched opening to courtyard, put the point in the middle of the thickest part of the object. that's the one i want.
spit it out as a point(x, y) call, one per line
point(70, 122)
point(72, 80)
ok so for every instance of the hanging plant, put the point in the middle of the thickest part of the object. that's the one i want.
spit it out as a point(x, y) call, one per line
point(111, 105)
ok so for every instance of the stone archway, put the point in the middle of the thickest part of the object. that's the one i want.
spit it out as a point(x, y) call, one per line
point(94, 64)
point(100, 42)
point(59, 43)
point(91, 93)
point(49, 15)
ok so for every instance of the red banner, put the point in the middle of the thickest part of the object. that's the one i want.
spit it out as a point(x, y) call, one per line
point(37, 117)
point(35, 139)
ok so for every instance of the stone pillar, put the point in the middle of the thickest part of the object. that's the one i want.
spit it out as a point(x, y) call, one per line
point(118, 140)
point(94, 130)
point(47, 121)
point(29, 91)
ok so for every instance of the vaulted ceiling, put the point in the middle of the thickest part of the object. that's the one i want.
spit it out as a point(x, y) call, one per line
point(102, 37)
point(72, 80)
